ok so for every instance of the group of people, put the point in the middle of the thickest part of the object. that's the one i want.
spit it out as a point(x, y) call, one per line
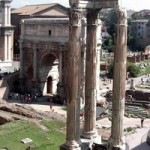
point(24, 98)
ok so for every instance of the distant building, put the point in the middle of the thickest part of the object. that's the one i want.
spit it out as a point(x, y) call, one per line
point(6, 34)
point(140, 30)
point(52, 10)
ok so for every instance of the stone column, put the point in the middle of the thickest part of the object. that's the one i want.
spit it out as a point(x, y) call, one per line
point(72, 87)
point(5, 46)
point(21, 60)
point(90, 76)
point(60, 86)
point(21, 73)
point(35, 63)
point(60, 65)
point(117, 140)
point(83, 58)
point(9, 47)
point(98, 52)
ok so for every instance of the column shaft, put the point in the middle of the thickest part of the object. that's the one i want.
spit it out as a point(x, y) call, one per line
point(73, 102)
point(5, 47)
point(35, 73)
point(83, 62)
point(99, 43)
point(90, 76)
point(118, 102)
point(21, 59)
point(60, 66)
point(60, 86)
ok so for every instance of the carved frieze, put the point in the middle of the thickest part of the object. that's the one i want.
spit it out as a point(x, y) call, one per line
point(91, 4)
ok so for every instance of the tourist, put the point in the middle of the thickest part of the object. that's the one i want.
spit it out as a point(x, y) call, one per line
point(142, 122)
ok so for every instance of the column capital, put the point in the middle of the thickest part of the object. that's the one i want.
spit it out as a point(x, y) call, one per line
point(75, 16)
point(92, 17)
point(121, 17)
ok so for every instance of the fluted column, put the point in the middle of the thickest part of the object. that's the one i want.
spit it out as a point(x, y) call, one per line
point(90, 76)
point(83, 58)
point(98, 52)
point(118, 102)
point(73, 100)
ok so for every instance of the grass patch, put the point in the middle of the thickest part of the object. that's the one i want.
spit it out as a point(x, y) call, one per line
point(12, 133)
point(147, 70)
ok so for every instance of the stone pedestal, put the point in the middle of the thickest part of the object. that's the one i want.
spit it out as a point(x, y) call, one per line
point(132, 86)
point(70, 146)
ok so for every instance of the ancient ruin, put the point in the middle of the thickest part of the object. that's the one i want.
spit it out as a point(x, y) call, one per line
point(6, 34)
point(91, 10)
point(44, 70)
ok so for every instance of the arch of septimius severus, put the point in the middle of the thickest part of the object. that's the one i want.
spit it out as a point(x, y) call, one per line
point(92, 8)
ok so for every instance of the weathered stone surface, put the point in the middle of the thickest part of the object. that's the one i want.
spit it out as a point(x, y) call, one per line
point(118, 102)
point(90, 76)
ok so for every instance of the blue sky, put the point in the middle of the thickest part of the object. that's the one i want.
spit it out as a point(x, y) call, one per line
point(129, 4)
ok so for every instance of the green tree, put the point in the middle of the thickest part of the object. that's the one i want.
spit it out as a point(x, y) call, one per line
point(133, 69)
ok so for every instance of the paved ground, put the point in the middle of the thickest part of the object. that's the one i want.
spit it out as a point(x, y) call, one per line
point(137, 141)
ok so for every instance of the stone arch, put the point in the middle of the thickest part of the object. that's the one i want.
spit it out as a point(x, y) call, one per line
point(49, 73)
point(48, 59)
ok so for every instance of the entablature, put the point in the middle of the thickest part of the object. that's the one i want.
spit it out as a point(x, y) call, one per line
point(94, 4)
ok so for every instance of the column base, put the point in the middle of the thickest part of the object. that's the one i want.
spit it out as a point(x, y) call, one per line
point(121, 146)
point(88, 143)
point(71, 145)
point(90, 135)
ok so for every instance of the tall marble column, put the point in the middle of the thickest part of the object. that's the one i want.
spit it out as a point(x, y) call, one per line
point(72, 87)
point(117, 139)
point(90, 76)
point(83, 58)
point(98, 52)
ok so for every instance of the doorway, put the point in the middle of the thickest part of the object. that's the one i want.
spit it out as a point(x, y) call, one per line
point(49, 85)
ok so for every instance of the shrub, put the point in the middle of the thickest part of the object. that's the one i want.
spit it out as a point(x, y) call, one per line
point(133, 69)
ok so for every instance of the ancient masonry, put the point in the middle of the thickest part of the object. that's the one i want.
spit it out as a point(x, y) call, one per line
point(6, 34)
point(92, 9)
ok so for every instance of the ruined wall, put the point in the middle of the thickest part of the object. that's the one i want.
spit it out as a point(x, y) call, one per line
point(139, 95)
